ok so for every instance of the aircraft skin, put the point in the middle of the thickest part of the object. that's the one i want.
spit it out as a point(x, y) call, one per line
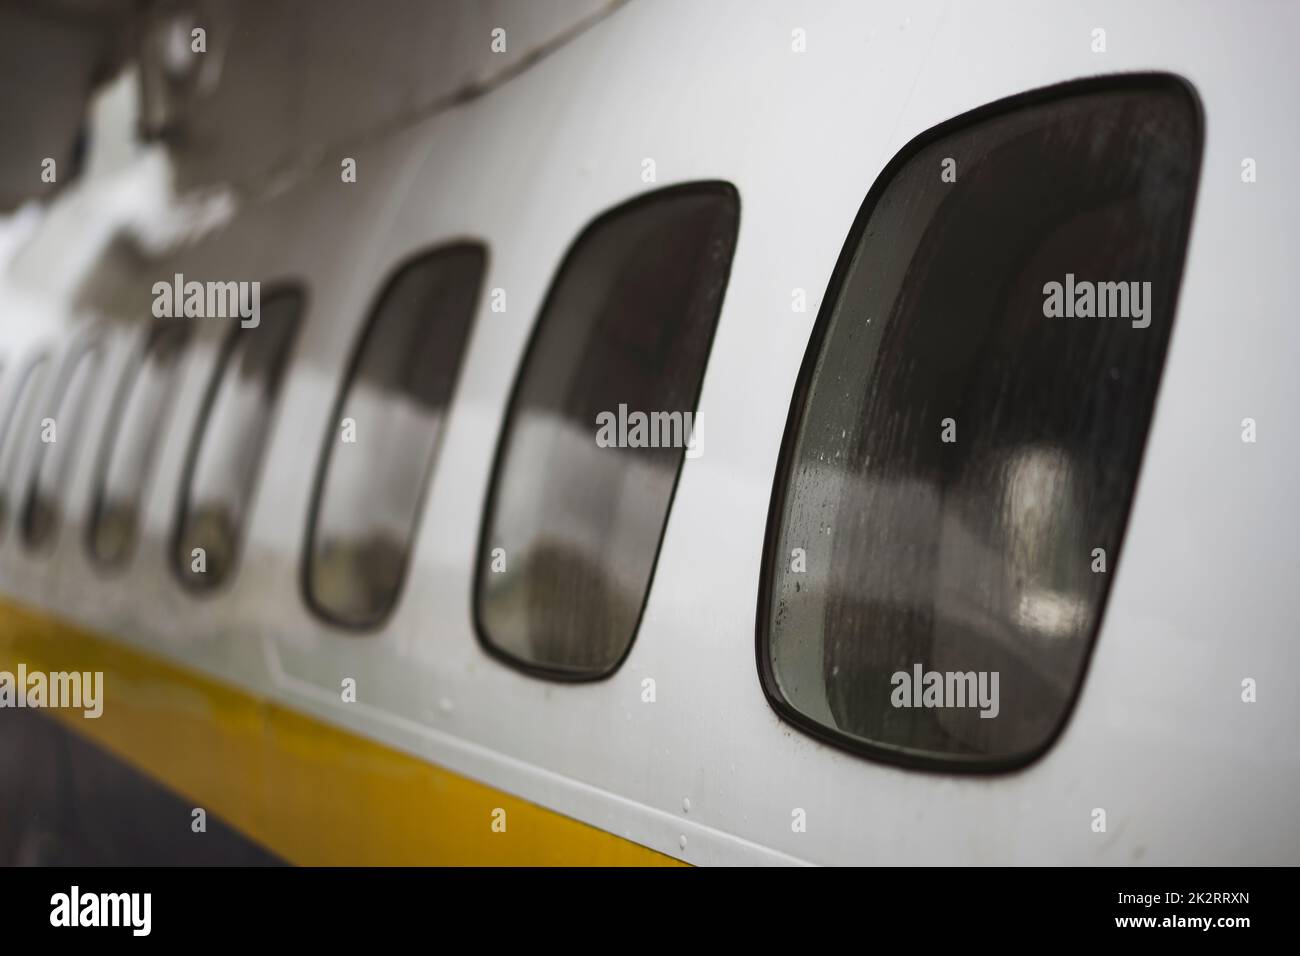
point(235, 702)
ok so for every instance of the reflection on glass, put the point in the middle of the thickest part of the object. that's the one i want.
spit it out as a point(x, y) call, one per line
point(229, 441)
point(42, 514)
point(574, 526)
point(383, 438)
point(19, 428)
point(975, 555)
point(138, 418)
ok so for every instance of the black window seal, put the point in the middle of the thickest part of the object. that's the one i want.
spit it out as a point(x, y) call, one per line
point(712, 187)
point(361, 339)
point(198, 427)
point(23, 370)
point(137, 354)
point(897, 756)
point(82, 349)
point(22, 373)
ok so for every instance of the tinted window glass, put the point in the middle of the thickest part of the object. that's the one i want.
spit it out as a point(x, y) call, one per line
point(597, 428)
point(228, 442)
point(71, 404)
point(383, 437)
point(19, 427)
point(962, 445)
point(139, 415)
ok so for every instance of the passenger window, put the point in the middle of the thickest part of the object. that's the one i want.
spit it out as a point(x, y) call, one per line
point(967, 428)
point(19, 428)
point(138, 418)
point(57, 450)
point(227, 446)
point(383, 437)
point(596, 430)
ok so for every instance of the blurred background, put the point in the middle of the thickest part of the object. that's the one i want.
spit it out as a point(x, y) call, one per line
point(153, 141)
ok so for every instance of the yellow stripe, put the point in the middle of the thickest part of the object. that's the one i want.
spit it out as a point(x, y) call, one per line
point(311, 792)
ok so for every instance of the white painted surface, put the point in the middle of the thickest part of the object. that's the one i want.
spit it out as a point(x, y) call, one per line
point(1205, 595)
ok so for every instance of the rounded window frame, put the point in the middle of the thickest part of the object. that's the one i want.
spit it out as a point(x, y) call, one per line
point(788, 713)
